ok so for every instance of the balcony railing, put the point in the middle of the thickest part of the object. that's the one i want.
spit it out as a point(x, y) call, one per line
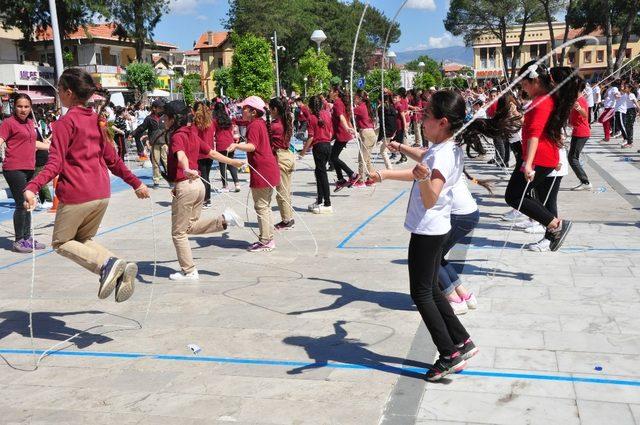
point(103, 69)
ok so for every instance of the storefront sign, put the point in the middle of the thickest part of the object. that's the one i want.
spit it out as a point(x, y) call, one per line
point(30, 74)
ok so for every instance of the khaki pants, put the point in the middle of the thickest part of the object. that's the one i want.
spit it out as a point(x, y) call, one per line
point(384, 154)
point(417, 131)
point(262, 205)
point(368, 141)
point(73, 232)
point(286, 163)
point(185, 220)
point(158, 153)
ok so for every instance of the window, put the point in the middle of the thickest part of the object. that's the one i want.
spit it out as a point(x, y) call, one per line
point(571, 57)
point(483, 58)
point(491, 57)
point(600, 56)
point(99, 59)
point(114, 60)
point(587, 57)
point(43, 57)
point(510, 51)
point(220, 63)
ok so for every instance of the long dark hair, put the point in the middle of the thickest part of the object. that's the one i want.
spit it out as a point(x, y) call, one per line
point(315, 105)
point(344, 96)
point(179, 119)
point(284, 113)
point(223, 120)
point(16, 97)
point(564, 98)
point(450, 104)
point(364, 96)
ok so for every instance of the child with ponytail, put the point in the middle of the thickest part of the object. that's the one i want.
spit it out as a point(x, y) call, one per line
point(185, 148)
point(82, 154)
point(541, 138)
point(280, 132)
point(428, 219)
point(343, 132)
point(319, 139)
point(264, 174)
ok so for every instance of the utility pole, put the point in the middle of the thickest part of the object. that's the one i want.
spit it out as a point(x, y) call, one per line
point(275, 46)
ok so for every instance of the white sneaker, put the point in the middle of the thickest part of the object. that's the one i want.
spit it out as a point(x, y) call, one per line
point(513, 215)
point(536, 229)
point(232, 219)
point(472, 301)
point(183, 277)
point(583, 186)
point(321, 209)
point(540, 246)
point(312, 207)
point(46, 205)
point(525, 224)
point(459, 307)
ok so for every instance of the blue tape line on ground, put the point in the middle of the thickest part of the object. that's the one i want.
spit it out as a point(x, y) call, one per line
point(331, 365)
point(474, 248)
point(368, 220)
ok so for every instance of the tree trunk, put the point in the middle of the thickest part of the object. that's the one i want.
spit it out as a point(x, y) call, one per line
point(503, 47)
point(626, 32)
point(140, 33)
point(607, 33)
point(547, 13)
point(516, 51)
point(566, 33)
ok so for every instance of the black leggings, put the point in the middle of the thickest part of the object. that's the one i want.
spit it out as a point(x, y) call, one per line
point(223, 169)
point(577, 144)
point(204, 165)
point(531, 207)
point(321, 155)
point(424, 262)
point(339, 164)
point(503, 152)
point(17, 181)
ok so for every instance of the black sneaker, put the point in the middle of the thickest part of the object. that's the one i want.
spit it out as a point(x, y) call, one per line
point(559, 235)
point(468, 350)
point(402, 160)
point(341, 184)
point(393, 156)
point(285, 225)
point(109, 276)
point(444, 366)
point(126, 283)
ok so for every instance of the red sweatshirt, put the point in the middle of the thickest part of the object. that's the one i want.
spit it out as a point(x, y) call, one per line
point(262, 158)
point(207, 135)
point(224, 136)
point(277, 136)
point(320, 133)
point(186, 140)
point(535, 122)
point(81, 157)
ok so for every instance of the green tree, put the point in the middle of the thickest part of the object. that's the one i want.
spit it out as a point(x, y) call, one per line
point(431, 67)
point(373, 81)
point(191, 84)
point(314, 66)
point(295, 20)
point(425, 80)
point(471, 18)
point(142, 77)
point(614, 18)
point(222, 77)
point(252, 71)
point(136, 20)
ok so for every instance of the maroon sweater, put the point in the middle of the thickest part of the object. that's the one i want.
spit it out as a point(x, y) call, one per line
point(81, 157)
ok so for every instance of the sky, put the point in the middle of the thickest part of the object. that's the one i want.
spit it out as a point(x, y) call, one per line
point(420, 22)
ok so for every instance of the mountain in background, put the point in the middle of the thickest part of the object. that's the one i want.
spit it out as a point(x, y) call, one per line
point(460, 54)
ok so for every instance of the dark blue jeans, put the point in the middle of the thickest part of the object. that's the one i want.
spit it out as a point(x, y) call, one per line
point(461, 226)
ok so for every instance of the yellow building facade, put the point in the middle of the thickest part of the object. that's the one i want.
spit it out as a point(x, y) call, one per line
point(590, 58)
point(216, 51)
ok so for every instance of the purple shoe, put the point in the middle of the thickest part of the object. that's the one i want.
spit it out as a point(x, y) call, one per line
point(35, 244)
point(23, 246)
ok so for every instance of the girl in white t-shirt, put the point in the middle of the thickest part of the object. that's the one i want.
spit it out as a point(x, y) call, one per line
point(429, 221)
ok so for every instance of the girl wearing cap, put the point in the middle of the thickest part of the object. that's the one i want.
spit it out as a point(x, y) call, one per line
point(18, 132)
point(264, 175)
point(188, 190)
point(82, 154)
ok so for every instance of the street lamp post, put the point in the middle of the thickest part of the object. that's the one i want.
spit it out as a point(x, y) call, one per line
point(318, 36)
point(305, 87)
point(276, 48)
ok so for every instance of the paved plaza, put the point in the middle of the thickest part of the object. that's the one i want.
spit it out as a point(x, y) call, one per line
point(299, 337)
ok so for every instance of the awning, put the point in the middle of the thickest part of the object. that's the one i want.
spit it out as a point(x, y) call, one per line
point(39, 97)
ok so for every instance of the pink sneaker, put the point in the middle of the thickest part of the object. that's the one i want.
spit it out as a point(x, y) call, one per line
point(359, 184)
point(261, 246)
